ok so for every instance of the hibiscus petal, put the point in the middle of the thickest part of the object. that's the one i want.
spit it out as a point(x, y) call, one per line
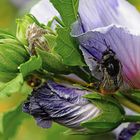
point(124, 43)
point(69, 93)
point(44, 11)
point(101, 13)
point(60, 103)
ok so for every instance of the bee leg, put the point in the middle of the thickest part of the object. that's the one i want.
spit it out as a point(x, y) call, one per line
point(95, 85)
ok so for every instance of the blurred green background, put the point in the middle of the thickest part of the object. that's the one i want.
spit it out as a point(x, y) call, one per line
point(28, 130)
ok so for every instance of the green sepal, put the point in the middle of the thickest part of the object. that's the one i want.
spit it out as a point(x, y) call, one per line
point(52, 62)
point(22, 25)
point(34, 63)
point(107, 99)
point(12, 54)
point(110, 117)
point(51, 41)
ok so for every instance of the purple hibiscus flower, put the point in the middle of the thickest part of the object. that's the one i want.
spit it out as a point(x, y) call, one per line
point(110, 25)
point(101, 24)
point(60, 103)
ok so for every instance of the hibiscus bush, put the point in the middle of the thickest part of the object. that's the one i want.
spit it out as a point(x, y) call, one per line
point(74, 63)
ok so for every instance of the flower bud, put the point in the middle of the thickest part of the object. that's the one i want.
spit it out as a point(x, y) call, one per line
point(32, 34)
point(65, 105)
point(41, 41)
point(12, 54)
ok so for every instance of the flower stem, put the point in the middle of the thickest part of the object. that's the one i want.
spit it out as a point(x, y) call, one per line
point(56, 77)
point(127, 103)
point(130, 118)
point(70, 80)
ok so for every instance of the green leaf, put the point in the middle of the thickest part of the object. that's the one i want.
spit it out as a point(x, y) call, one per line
point(34, 63)
point(67, 9)
point(25, 89)
point(11, 122)
point(67, 48)
point(11, 87)
point(51, 40)
point(52, 62)
point(107, 99)
point(137, 136)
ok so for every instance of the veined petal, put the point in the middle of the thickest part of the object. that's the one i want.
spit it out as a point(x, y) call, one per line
point(60, 103)
point(101, 13)
point(124, 43)
point(44, 11)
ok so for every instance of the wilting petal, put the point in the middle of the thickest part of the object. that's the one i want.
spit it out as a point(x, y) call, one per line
point(44, 11)
point(124, 43)
point(101, 13)
point(59, 103)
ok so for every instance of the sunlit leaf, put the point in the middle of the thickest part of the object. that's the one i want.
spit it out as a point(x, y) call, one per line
point(52, 62)
point(66, 46)
point(67, 9)
point(11, 122)
point(33, 64)
point(11, 87)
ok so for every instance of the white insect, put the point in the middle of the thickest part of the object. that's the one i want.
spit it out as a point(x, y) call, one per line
point(35, 37)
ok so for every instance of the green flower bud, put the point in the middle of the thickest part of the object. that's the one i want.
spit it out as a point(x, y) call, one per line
point(41, 41)
point(110, 117)
point(12, 54)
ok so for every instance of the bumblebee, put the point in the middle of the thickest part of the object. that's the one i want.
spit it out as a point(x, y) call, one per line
point(111, 69)
point(107, 70)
